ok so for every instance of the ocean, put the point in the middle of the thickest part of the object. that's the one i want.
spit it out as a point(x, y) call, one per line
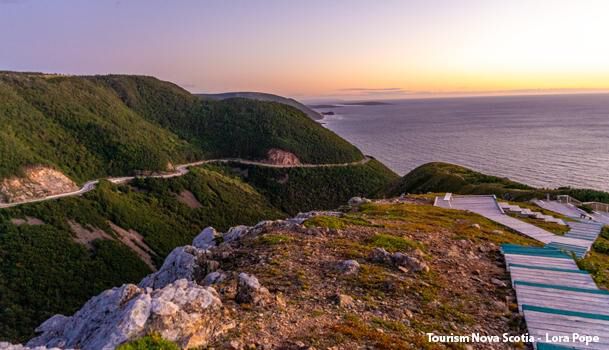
point(545, 141)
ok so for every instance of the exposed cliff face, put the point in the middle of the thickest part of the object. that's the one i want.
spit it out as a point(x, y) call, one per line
point(37, 182)
point(281, 157)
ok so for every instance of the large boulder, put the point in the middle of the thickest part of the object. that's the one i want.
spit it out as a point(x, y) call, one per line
point(105, 321)
point(206, 239)
point(235, 233)
point(183, 312)
point(186, 262)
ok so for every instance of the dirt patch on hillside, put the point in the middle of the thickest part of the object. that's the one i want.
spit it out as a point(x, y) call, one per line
point(187, 198)
point(281, 157)
point(135, 241)
point(86, 235)
point(37, 182)
point(27, 221)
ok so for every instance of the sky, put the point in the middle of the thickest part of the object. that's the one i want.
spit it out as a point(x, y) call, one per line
point(318, 48)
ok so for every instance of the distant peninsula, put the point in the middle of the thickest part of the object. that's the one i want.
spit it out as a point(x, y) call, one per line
point(355, 103)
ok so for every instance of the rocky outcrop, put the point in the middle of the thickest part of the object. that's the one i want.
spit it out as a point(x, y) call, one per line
point(182, 311)
point(37, 182)
point(281, 157)
point(186, 262)
point(177, 301)
point(206, 239)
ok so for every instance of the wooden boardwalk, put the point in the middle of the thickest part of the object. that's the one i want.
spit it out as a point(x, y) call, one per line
point(556, 298)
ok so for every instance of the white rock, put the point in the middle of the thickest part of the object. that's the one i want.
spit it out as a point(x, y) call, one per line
point(183, 312)
point(182, 262)
point(206, 239)
point(355, 201)
point(250, 291)
point(235, 233)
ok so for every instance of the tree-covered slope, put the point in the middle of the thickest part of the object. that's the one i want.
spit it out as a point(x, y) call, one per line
point(261, 96)
point(235, 127)
point(78, 127)
point(45, 270)
point(89, 127)
point(302, 189)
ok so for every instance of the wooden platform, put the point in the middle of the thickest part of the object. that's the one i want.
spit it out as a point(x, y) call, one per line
point(577, 241)
point(556, 298)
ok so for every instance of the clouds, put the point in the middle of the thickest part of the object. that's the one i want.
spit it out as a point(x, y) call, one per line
point(372, 89)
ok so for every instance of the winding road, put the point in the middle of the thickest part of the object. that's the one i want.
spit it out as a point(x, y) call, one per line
point(181, 170)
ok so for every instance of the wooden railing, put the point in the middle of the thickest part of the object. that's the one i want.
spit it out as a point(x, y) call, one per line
point(596, 206)
point(565, 198)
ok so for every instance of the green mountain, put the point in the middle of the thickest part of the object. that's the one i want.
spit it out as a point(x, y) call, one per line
point(54, 255)
point(261, 96)
point(90, 127)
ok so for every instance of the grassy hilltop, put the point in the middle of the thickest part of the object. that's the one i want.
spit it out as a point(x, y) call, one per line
point(445, 177)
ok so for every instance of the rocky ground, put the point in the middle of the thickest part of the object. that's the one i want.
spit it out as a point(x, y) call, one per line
point(36, 182)
point(378, 275)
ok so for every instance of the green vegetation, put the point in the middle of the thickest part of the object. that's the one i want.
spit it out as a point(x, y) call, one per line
point(43, 271)
point(301, 189)
point(91, 127)
point(392, 243)
point(443, 177)
point(236, 127)
point(548, 226)
point(337, 223)
point(79, 127)
point(601, 246)
point(150, 342)
point(588, 209)
point(597, 261)
point(427, 219)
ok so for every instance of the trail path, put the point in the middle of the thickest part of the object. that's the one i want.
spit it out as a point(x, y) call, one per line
point(181, 170)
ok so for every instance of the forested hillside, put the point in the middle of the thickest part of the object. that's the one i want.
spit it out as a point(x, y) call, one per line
point(56, 254)
point(90, 127)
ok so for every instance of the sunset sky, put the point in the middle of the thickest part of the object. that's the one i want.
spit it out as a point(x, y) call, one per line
point(309, 48)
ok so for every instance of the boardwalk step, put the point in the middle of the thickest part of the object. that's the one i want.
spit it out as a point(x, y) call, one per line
point(547, 346)
point(548, 268)
point(562, 287)
point(553, 311)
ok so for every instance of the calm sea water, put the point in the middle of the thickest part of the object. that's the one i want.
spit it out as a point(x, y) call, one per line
point(545, 141)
